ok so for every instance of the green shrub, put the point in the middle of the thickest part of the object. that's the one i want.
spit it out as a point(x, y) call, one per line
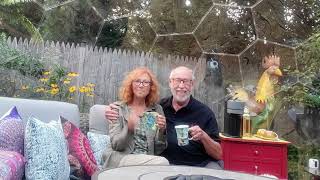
point(13, 59)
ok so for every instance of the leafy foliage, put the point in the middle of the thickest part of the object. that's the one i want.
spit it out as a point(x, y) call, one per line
point(12, 18)
point(307, 89)
point(298, 158)
point(13, 59)
point(113, 33)
point(12, 2)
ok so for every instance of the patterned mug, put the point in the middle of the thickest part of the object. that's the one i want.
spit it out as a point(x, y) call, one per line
point(149, 120)
point(182, 134)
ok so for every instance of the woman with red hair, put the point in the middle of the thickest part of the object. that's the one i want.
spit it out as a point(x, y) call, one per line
point(139, 133)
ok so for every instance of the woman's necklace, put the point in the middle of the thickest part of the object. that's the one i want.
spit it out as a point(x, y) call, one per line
point(138, 111)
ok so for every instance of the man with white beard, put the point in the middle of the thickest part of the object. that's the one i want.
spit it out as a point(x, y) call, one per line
point(182, 109)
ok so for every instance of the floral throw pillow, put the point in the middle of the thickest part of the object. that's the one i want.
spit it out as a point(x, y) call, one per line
point(45, 151)
point(99, 143)
point(11, 165)
point(11, 131)
point(79, 147)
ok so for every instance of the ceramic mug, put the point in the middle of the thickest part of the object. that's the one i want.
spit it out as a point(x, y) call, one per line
point(182, 134)
point(149, 119)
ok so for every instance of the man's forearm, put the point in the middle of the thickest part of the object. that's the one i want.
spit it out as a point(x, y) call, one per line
point(212, 147)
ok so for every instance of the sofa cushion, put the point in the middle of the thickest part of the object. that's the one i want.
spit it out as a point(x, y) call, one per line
point(98, 143)
point(45, 150)
point(41, 109)
point(11, 131)
point(79, 147)
point(11, 165)
point(97, 121)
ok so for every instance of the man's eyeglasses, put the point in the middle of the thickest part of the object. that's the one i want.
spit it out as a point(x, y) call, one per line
point(177, 81)
point(144, 83)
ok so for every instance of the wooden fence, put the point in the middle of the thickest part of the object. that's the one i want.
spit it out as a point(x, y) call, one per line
point(107, 67)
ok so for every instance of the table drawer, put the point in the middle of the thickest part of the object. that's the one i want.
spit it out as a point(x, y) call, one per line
point(240, 150)
point(242, 166)
point(257, 168)
point(243, 151)
point(271, 168)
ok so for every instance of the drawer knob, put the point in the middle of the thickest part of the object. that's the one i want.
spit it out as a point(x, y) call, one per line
point(256, 152)
point(256, 169)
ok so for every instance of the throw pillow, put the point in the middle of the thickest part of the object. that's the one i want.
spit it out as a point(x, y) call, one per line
point(11, 165)
point(98, 143)
point(76, 170)
point(79, 147)
point(45, 150)
point(11, 131)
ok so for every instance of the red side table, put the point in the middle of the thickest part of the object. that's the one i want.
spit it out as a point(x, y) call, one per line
point(255, 156)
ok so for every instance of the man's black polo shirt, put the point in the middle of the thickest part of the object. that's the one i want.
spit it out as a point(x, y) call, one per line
point(195, 113)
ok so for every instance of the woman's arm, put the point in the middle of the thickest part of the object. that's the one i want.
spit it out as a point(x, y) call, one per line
point(119, 133)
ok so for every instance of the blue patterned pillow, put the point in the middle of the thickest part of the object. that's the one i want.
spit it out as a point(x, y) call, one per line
point(11, 131)
point(98, 143)
point(45, 151)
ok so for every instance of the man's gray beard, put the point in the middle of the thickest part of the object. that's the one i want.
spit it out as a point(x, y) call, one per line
point(180, 99)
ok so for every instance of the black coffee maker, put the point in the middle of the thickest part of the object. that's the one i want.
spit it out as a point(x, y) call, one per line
point(233, 118)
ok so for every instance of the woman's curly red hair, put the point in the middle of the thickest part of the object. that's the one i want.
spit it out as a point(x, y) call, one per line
point(126, 92)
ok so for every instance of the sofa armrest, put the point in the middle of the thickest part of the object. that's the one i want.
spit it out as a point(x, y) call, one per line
point(97, 120)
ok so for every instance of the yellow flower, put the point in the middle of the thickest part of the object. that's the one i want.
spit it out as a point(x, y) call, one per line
point(24, 87)
point(73, 74)
point(66, 82)
point(43, 79)
point(88, 89)
point(91, 85)
point(54, 85)
point(72, 89)
point(82, 89)
point(90, 95)
point(54, 91)
point(39, 89)
point(46, 73)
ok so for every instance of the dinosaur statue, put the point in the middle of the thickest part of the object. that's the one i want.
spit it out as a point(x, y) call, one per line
point(261, 103)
